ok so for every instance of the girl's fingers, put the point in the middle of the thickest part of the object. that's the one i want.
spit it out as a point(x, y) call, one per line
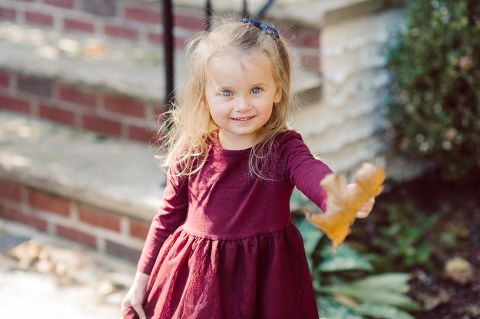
point(366, 208)
point(140, 312)
point(133, 312)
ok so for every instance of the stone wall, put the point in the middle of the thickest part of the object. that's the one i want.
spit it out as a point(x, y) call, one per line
point(346, 127)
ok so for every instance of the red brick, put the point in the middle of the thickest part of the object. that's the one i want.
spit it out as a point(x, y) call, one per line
point(39, 18)
point(77, 96)
point(37, 86)
point(4, 79)
point(159, 110)
point(10, 191)
point(140, 133)
point(143, 15)
point(122, 251)
point(29, 220)
point(124, 105)
point(139, 229)
point(99, 124)
point(14, 104)
point(155, 38)
point(49, 203)
point(77, 25)
point(56, 114)
point(121, 32)
point(77, 236)
point(69, 4)
point(99, 217)
point(7, 14)
point(192, 22)
point(100, 8)
point(311, 63)
point(179, 43)
point(309, 39)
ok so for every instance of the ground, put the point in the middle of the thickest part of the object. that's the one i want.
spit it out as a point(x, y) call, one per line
point(50, 277)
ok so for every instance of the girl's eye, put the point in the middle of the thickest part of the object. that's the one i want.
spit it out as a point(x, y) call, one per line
point(256, 90)
point(226, 93)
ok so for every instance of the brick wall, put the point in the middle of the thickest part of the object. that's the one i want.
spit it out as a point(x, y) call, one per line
point(103, 230)
point(135, 22)
point(82, 107)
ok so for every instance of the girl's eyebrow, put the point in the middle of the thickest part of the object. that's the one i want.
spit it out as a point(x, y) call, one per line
point(231, 88)
point(260, 84)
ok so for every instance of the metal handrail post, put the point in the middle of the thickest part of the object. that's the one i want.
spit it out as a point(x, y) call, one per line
point(168, 49)
point(208, 13)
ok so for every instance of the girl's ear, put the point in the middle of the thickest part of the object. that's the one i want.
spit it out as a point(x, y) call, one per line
point(278, 94)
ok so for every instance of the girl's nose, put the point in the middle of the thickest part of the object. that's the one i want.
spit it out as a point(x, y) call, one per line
point(242, 105)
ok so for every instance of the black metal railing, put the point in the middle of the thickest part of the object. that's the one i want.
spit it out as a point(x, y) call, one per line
point(168, 41)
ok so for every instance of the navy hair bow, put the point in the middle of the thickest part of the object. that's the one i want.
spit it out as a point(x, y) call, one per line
point(268, 29)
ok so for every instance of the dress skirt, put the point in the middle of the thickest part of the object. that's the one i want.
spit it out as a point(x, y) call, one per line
point(263, 277)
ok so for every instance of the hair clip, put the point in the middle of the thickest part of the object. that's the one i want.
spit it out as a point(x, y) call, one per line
point(268, 29)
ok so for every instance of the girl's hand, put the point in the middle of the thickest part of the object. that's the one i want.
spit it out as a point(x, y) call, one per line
point(134, 297)
point(366, 208)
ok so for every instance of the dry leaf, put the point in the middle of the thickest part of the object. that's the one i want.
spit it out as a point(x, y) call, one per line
point(344, 202)
point(431, 302)
point(459, 270)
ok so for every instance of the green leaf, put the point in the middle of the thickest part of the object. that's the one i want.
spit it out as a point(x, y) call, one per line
point(375, 296)
point(329, 308)
point(389, 281)
point(346, 258)
point(381, 311)
point(311, 237)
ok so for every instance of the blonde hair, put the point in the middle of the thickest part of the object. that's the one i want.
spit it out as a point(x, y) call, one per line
point(190, 129)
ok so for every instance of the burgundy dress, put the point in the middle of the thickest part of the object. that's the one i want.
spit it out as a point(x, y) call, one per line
point(223, 244)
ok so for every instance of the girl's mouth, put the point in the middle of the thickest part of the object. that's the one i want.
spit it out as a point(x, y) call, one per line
point(242, 119)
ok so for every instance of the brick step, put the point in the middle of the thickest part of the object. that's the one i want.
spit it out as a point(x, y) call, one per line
point(101, 85)
point(100, 192)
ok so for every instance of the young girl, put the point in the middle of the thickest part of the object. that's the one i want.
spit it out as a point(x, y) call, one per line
point(223, 244)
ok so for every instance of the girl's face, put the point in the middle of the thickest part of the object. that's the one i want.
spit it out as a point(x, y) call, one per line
point(243, 100)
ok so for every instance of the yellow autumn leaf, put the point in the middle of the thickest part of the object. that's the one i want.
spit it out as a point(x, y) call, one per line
point(344, 202)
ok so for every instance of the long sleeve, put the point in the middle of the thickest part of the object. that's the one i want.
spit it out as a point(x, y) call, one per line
point(305, 172)
point(171, 215)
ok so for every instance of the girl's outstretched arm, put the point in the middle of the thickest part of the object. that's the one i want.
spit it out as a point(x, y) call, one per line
point(134, 297)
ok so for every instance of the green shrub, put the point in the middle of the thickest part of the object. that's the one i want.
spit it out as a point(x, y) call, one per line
point(406, 235)
point(435, 102)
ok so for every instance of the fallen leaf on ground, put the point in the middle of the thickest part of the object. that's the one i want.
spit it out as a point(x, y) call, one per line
point(473, 310)
point(459, 270)
point(27, 253)
point(345, 201)
point(430, 302)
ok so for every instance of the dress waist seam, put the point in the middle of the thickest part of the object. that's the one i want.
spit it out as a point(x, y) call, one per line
point(195, 233)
